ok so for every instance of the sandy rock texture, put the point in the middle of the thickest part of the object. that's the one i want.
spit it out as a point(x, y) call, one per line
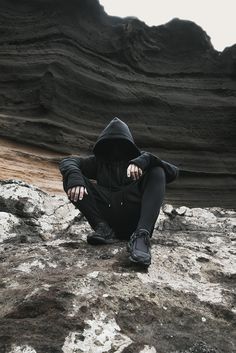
point(60, 295)
point(35, 165)
point(67, 68)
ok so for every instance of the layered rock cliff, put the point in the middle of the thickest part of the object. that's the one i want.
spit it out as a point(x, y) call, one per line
point(67, 68)
point(60, 295)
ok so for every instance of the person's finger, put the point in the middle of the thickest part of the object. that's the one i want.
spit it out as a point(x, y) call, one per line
point(136, 173)
point(132, 172)
point(86, 191)
point(140, 171)
point(69, 192)
point(72, 194)
point(76, 195)
point(81, 193)
point(128, 170)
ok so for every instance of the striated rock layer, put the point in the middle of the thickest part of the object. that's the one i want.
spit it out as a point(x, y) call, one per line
point(68, 68)
point(58, 294)
point(32, 164)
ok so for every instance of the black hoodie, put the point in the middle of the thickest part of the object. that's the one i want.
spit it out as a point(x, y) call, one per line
point(113, 151)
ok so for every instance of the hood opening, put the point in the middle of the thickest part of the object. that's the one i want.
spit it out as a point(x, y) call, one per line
point(115, 149)
point(116, 142)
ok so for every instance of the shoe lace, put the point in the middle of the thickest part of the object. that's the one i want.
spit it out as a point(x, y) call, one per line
point(142, 234)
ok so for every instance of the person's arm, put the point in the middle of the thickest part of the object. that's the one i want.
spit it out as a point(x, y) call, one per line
point(147, 160)
point(73, 168)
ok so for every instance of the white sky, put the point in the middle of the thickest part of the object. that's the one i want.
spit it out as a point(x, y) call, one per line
point(216, 17)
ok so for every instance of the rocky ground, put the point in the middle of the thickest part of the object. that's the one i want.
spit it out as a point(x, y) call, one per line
point(59, 294)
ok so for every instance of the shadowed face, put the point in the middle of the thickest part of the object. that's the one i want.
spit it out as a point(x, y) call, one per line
point(116, 149)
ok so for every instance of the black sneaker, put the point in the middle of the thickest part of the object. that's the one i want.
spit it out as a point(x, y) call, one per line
point(139, 247)
point(103, 234)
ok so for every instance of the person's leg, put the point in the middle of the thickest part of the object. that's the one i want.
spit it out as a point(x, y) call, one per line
point(152, 187)
point(91, 204)
point(141, 207)
point(94, 207)
point(125, 216)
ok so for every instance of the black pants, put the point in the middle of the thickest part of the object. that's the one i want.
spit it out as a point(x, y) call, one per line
point(136, 206)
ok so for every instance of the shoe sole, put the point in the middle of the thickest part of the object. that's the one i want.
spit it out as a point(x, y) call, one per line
point(100, 241)
point(145, 263)
point(140, 262)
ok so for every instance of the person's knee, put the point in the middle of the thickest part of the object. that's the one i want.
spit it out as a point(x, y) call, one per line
point(154, 176)
point(157, 172)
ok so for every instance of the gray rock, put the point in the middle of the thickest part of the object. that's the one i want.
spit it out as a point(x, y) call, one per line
point(34, 210)
point(59, 294)
point(181, 210)
point(168, 209)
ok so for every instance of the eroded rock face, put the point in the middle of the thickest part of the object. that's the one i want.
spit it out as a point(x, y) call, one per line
point(68, 68)
point(59, 294)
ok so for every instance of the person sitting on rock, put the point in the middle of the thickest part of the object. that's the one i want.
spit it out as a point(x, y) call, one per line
point(125, 198)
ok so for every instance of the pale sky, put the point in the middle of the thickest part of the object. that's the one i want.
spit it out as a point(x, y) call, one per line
point(216, 17)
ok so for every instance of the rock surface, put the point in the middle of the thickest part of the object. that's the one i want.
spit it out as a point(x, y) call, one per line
point(59, 294)
point(68, 68)
point(32, 164)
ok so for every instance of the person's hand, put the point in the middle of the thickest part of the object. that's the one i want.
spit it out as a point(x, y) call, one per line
point(77, 192)
point(134, 172)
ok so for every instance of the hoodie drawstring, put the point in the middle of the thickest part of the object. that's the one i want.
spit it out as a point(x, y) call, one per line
point(110, 191)
point(122, 194)
point(109, 168)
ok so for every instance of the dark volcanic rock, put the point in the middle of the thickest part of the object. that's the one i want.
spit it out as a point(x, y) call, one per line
point(67, 68)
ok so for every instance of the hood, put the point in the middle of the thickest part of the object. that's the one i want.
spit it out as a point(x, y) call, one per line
point(116, 142)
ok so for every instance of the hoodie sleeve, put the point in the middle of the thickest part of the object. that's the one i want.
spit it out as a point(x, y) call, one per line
point(74, 168)
point(148, 160)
